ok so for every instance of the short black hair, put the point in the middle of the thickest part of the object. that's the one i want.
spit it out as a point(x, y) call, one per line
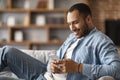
point(83, 9)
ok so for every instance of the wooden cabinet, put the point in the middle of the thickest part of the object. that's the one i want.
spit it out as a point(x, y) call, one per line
point(33, 24)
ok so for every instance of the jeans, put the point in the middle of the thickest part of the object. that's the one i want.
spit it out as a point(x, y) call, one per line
point(24, 66)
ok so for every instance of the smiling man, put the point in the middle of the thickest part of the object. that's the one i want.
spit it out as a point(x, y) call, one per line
point(87, 54)
point(92, 55)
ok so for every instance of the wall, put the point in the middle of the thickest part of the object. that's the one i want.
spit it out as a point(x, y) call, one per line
point(104, 10)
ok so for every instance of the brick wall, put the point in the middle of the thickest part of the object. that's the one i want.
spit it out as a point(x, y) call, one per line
point(104, 10)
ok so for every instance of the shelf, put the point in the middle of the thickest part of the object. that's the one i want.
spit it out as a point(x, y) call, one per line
point(36, 26)
point(29, 26)
point(32, 10)
point(3, 26)
point(58, 26)
point(48, 10)
point(13, 42)
point(13, 10)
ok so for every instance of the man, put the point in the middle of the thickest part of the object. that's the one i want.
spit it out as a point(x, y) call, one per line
point(87, 54)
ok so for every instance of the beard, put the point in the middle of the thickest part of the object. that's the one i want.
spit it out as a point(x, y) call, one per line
point(85, 30)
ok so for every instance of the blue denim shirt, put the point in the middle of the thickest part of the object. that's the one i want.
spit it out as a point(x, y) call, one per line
point(96, 52)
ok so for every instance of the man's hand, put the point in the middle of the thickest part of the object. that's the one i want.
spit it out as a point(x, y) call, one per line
point(64, 66)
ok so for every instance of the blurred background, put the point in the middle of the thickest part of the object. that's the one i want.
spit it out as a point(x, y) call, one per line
point(106, 16)
point(41, 24)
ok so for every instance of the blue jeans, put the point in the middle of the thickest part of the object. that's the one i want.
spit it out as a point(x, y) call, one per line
point(23, 65)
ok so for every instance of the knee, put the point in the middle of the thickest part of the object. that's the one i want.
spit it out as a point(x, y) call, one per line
point(106, 78)
point(7, 49)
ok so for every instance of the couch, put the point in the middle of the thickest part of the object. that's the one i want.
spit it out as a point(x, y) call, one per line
point(41, 55)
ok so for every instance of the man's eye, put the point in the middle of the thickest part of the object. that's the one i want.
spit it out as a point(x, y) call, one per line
point(75, 22)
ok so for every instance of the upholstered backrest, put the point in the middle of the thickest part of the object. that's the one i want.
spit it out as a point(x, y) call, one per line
point(42, 55)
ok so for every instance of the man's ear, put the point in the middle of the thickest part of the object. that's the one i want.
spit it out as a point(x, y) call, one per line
point(88, 19)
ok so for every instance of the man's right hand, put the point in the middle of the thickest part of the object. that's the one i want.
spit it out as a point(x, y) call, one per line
point(56, 66)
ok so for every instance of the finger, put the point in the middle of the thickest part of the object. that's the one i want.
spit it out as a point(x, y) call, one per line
point(53, 60)
point(63, 69)
point(55, 68)
point(57, 61)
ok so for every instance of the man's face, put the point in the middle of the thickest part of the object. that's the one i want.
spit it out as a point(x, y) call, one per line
point(77, 24)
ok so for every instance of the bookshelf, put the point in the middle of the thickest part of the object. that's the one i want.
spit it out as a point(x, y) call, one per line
point(43, 26)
